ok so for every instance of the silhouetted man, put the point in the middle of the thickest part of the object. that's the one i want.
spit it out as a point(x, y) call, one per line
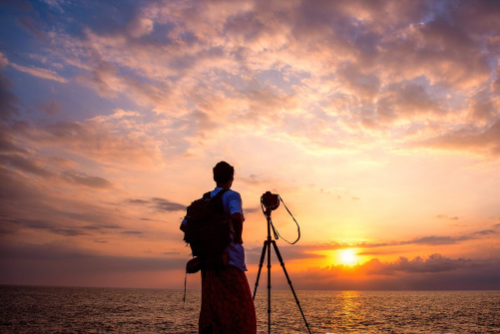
point(227, 305)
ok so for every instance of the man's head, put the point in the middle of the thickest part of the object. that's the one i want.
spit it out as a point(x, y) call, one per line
point(223, 173)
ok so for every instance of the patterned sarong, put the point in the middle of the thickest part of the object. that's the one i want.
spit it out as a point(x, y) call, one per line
point(226, 303)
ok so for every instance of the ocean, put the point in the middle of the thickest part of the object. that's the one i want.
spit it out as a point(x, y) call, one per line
point(113, 310)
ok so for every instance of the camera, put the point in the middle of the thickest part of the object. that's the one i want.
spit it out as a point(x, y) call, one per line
point(270, 201)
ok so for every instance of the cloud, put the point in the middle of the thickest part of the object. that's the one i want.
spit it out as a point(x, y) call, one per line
point(159, 204)
point(27, 165)
point(8, 101)
point(132, 232)
point(165, 205)
point(483, 141)
point(483, 108)
point(86, 180)
point(19, 159)
point(21, 5)
point(39, 224)
point(364, 85)
point(33, 26)
point(3, 60)
point(51, 107)
point(433, 264)
point(65, 264)
point(50, 212)
point(56, 4)
point(390, 246)
point(446, 240)
point(288, 253)
point(8, 143)
point(447, 217)
point(118, 114)
point(435, 272)
point(315, 71)
point(40, 73)
point(95, 140)
point(405, 100)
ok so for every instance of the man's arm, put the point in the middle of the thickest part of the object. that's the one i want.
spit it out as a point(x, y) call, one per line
point(237, 220)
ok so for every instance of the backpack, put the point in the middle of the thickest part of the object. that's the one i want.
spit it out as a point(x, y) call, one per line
point(207, 232)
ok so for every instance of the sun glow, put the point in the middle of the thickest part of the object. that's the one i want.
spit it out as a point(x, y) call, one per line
point(347, 256)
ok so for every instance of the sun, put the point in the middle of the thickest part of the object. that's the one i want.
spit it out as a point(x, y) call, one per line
point(347, 256)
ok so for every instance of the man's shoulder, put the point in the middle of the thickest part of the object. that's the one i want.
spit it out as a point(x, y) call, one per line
point(231, 194)
point(228, 194)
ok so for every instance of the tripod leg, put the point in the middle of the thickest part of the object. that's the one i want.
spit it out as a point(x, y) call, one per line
point(290, 283)
point(269, 286)
point(260, 267)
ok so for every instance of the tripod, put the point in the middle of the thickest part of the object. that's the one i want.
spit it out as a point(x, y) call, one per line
point(267, 247)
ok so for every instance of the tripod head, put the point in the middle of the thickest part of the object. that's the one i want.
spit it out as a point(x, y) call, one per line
point(270, 202)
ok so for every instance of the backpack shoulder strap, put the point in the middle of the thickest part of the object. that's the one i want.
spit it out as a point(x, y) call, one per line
point(220, 193)
point(208, 195)
point(217, 200)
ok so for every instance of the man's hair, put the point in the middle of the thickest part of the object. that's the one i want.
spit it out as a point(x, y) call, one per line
point(223, 172)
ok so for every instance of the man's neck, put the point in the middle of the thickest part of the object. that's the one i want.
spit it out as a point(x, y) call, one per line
point(224, 186)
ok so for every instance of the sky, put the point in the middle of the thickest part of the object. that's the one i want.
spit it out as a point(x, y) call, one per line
point(377, 122)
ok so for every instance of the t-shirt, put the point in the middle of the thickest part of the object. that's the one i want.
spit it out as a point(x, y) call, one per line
point(232, 204)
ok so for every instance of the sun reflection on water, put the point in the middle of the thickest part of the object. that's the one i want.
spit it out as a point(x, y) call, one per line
point(350, 308)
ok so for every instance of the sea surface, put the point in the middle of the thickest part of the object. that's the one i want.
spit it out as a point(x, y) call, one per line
point(113, 310)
